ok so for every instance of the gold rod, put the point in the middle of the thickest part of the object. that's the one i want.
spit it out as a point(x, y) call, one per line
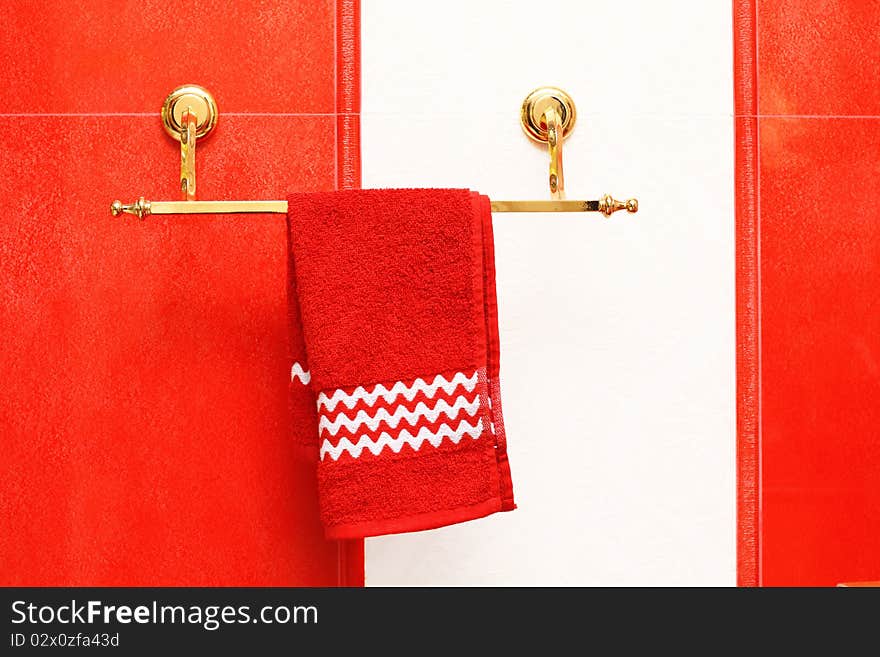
point(218, 207)
point(545, 206)
point(143, 208)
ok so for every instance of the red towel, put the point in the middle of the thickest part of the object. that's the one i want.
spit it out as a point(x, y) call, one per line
point(394, 333)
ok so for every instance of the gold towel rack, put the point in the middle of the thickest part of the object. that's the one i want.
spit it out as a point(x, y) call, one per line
point(547, 115)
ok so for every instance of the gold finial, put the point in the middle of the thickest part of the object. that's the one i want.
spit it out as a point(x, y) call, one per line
point(609, 205)
point(140, 208)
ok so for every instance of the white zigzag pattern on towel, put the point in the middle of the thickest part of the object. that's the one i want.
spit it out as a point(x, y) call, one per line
point(297, 372)
point(409, 392)
point(393, 419)
point(396, 444)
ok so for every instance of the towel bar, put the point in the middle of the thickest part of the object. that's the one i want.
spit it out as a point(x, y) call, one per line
point(547, 115)
point(143, 208)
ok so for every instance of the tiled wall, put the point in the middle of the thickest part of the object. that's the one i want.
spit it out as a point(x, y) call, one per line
point(617, 335)
point(144, 366)
point(818, 104)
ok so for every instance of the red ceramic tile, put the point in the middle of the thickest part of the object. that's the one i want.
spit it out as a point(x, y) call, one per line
point(125, 56)
point(820, 350)
point(144, 368)
point(819, 57)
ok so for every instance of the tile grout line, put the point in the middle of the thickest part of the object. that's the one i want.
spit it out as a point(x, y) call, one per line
point(759, 566)
point(807, 116)
point(155, 114)
point(833, 117)
point(336, 114)
point(336, 134)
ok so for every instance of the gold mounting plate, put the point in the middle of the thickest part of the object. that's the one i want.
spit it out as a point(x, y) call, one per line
point(534, 107)
point(199, 100)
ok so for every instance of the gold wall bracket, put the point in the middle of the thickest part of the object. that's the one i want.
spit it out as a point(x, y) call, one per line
point(548, 115)
point(188, 114)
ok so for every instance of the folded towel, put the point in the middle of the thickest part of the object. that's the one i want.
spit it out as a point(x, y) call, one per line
point(394, 330)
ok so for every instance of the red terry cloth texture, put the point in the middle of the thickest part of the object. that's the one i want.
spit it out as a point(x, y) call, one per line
point(394, 329)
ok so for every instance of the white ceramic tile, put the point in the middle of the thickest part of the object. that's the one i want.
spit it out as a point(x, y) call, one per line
point(617, 334)
point(625, 56)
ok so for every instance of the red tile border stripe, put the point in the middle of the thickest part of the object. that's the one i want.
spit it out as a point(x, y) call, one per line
point(746, 182)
